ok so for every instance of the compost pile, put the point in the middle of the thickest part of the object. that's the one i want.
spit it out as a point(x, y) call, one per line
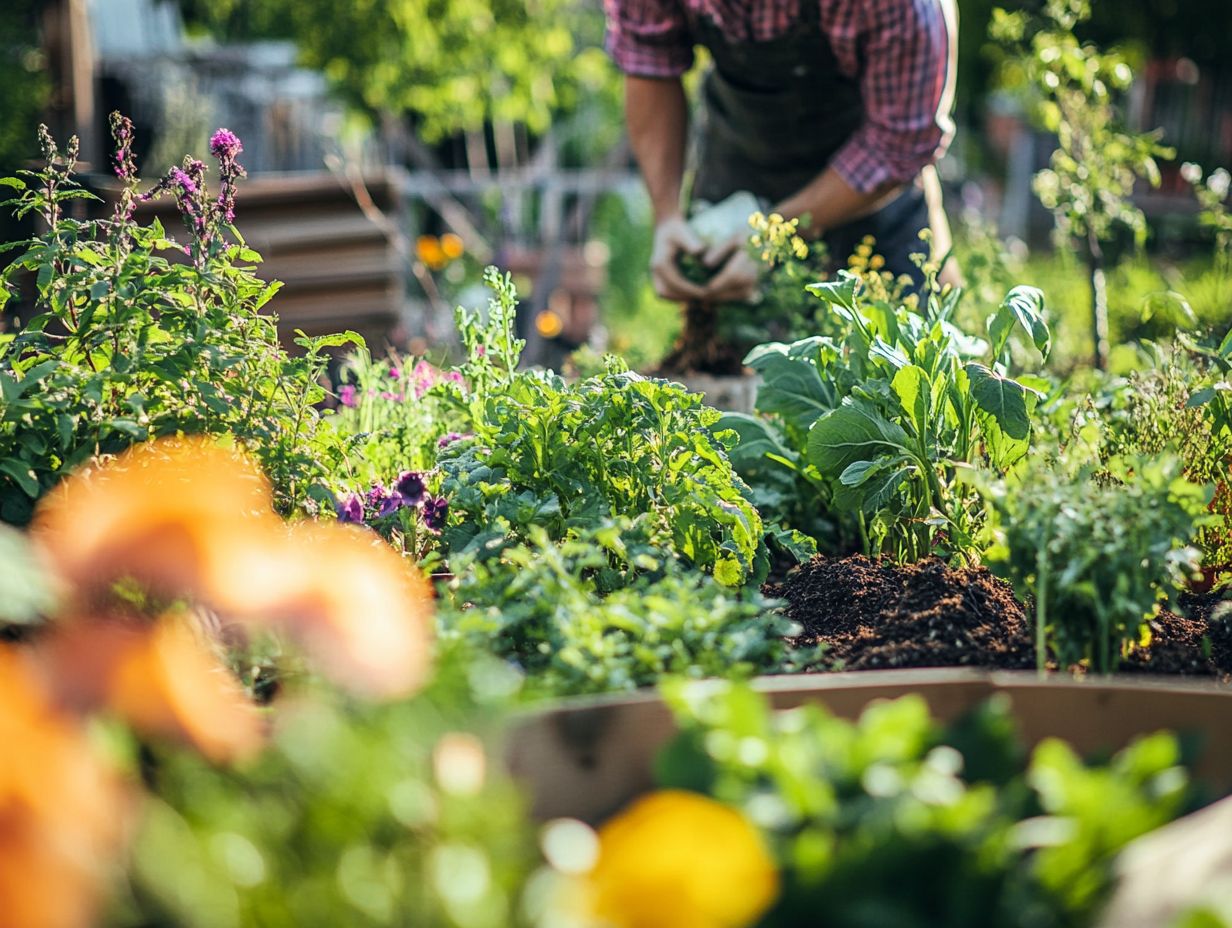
point(877, 614)
point(701, 349)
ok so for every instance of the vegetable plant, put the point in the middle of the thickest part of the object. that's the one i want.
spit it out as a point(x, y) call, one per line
point(870, 428)
point(604, 610)
point(1095, 547)
point(130, 335)
point(965, 828)
point(544, 452)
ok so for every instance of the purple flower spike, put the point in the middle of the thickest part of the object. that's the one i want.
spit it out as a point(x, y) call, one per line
point(346, 395)
point(350, 509)
point(435, 512)
point(225, 144)
point(410, 486)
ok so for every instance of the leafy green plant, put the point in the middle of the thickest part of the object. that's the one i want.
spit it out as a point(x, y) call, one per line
point(1089, 184)
point(132, 336)
point(544, 452)
point(872, 426)
point(1095, 547)
point(604, 610)
point(966, 830)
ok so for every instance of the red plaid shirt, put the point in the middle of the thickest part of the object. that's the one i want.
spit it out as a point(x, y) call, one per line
point(902, 52)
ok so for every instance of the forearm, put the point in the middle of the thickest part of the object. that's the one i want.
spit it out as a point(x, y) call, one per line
point(657, 115)
point(829, 201)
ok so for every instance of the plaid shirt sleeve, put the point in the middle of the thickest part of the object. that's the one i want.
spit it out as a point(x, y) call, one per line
point(904, 52)
point(648, 38)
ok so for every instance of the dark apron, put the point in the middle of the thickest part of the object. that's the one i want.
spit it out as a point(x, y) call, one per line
point(775, 114)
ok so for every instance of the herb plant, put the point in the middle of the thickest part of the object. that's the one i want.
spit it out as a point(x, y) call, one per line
point(132, 336)
point(544, 452)
point(964, 828)
point(869, 428)
point(1095, 548)
point(604, 610)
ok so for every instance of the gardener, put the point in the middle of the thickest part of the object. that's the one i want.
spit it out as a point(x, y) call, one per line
point(832, 111)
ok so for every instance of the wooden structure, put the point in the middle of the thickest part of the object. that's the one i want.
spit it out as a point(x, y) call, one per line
point(340, 265)
point(586, 758)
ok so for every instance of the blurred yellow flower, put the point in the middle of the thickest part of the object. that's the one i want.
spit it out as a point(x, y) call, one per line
point(676, 859)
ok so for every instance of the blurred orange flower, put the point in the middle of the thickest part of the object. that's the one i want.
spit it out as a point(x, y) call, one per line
point(355, 605)
point(451, 246)
point(160, 678)
point(676, 859)
point(185, 517)
point(428, 249)
point(61, 810)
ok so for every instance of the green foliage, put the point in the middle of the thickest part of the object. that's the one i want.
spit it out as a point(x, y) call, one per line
point(962, 829)
point(1098, 161)
point(1095, 548)
point(870, 427)
point(356, 814)
point(128, 341)
point(454, 64)
point(565, 456)
point(603, 610)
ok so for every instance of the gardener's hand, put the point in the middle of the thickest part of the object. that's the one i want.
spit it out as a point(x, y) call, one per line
point(672, 238)
point(736, 280)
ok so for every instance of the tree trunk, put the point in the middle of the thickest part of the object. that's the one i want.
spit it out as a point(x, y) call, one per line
point(1099, 302)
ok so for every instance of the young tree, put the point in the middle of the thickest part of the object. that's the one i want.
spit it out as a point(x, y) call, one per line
point(1089, 184)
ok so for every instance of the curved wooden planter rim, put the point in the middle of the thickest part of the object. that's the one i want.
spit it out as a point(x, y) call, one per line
point(585, 758)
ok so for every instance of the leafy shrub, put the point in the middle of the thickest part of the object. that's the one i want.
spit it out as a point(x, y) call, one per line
point(965, 832)
point(544, 452)
point(862, 434)
point(134, 336)
point(603, 610)
point(1095, 554)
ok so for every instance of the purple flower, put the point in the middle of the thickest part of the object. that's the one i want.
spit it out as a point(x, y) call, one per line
point(225, 144)
point(346, 395)
point(391, 396)
point(410, 486)
point(350, 508)
point(449, 438)
point(434, 513)
point(391, 504)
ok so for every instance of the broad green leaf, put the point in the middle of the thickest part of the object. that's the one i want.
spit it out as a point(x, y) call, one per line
point(792, 388)
point(22, 475)
point(1169, 307)
point(1003, 399)
point(853, 432)
point(839, 292)
point(915, 393)
point(1022, 306)
point(757, 439)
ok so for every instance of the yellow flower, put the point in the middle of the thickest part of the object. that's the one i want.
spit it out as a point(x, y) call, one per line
point(676, 859)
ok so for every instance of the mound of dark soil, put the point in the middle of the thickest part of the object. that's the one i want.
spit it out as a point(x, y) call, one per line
point(700, 349)
point(878, 614)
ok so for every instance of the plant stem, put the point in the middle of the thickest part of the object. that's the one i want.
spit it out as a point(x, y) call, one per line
point(1041, 607)
point(1099, 301)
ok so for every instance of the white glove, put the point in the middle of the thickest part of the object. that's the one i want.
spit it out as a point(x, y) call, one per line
point(673, 237)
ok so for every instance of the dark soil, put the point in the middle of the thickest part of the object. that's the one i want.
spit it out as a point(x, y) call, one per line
point(699, 349)
point(878, 614)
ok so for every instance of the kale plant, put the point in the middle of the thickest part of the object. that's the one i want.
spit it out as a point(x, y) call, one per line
point(132, 336)
point(862, 435)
